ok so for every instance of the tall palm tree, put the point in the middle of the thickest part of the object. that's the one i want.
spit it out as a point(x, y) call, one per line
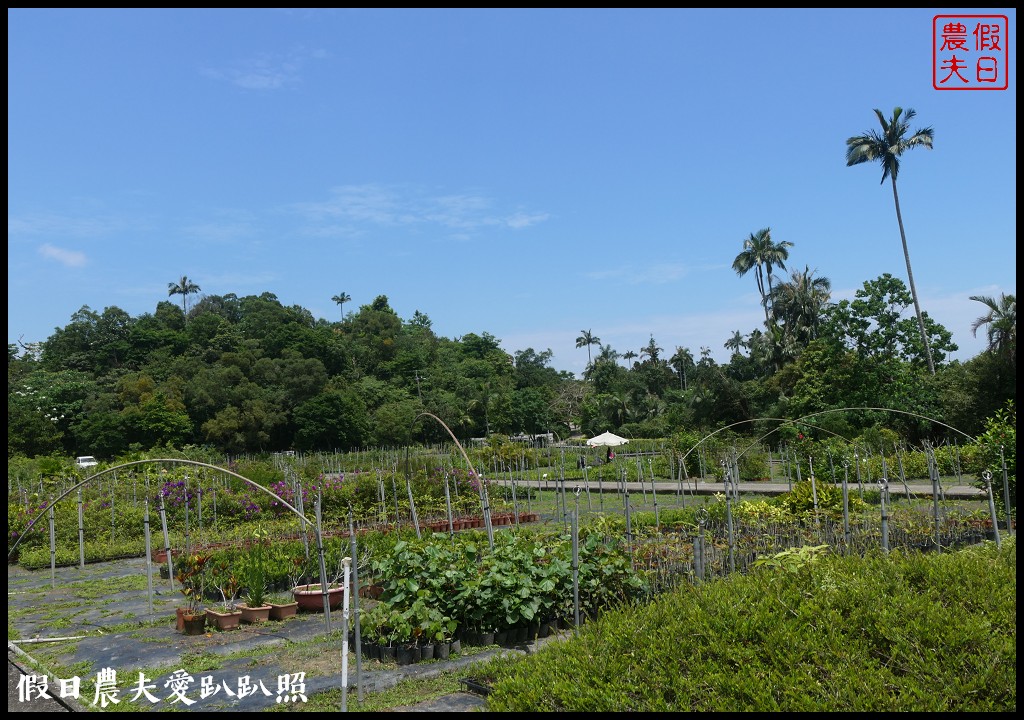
point(799, 303)
point(587, 339)
point(761, 254)
point(680, 361)
point(341, 299)
point(183, 287)
point(1001, 319)
point(651, 350)
point(736, 342)
point(628, 355)
point(887, 147)
point(607, 354)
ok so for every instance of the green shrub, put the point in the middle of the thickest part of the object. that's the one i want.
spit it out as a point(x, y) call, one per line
point(880, 633)
point(996, 445)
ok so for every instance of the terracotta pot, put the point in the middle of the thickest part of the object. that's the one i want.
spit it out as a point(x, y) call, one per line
point(223, 620)
point(310, 597)
point(159, 555)
point(254, 614)
point(373, 592)
point(193, 624)
point(280, 611)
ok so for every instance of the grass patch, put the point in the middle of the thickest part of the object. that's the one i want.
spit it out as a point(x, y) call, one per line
point(131, 626)
point(200, 662)
point(108, 587)
point(406, 692)
point(16, 614)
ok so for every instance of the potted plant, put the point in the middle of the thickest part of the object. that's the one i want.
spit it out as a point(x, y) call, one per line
point(437, 631)
point(390, 629)
point(310, 596)
point(255, 608)
point(283, 604)
point(190, 577)
point(374, 625)
point(401, 636)
point(159, 554)
point(227, 615)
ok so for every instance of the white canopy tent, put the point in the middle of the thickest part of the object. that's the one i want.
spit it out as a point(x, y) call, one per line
point(606, 439)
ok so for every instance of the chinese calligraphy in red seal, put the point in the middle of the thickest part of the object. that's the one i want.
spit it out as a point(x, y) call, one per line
point(970, 52)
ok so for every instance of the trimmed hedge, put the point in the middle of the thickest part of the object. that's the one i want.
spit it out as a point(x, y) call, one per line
point(899, 632)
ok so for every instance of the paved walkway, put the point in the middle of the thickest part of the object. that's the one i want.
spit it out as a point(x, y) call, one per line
point(607, 484)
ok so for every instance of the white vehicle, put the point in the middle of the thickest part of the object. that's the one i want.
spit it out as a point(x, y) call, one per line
point(85, 461)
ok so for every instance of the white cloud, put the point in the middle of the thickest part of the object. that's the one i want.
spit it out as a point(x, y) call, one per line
point(368, 203)
point(54, 224)
point(658, 274)
point(522, 220)
point(266, 71)
point(68, 258)
point(374, 204)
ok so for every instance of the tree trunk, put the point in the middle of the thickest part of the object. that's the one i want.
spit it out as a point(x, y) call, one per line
point(910, 277)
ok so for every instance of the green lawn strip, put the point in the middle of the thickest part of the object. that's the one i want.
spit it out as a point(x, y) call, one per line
point(406, 692)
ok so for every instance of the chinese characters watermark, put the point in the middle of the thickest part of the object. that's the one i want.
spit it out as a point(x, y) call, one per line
point(970, 52)
point(291, 688)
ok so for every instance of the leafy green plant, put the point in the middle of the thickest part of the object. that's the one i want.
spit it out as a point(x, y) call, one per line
point(255, 573)
point(397, 626)
point(255, 594)
point(191, 576)
point(227, 585)
point(800, 501)
point(793, 560)
point(998, 444)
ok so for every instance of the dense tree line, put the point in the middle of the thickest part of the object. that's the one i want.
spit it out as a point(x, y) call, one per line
point(250, 375)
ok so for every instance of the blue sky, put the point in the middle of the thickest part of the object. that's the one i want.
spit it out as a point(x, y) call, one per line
point(528, 173)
